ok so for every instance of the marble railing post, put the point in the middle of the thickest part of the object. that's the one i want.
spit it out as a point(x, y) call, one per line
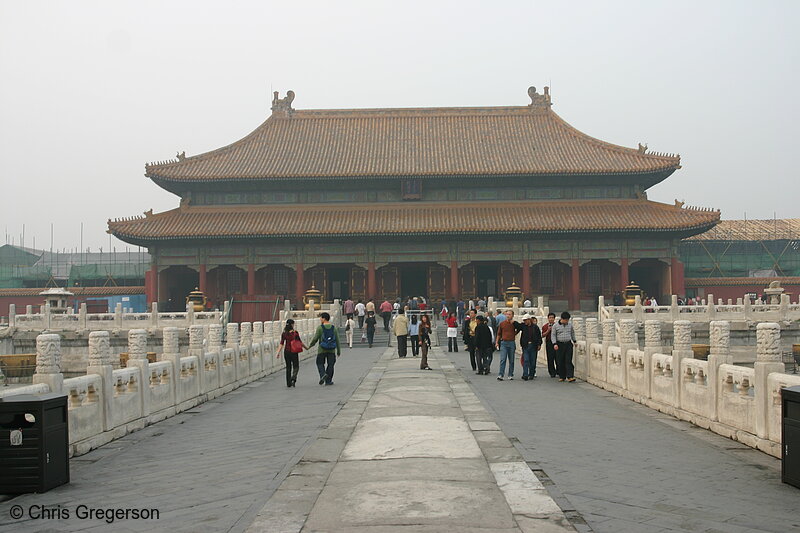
point(674, 308)
point(137, 358)
point(82, 325)
point(719, 332)
point(232, 343)
point(258, 343)
point(100, 363)
point(12, 315)
point(154, 315)
point(215, 338)
point(591, 333)
point(681, 349)
point(768, 360)
point(652, 345)
point(196, 333)
point(638, 310)
point(48, 362)
point(579, 326)
point(215, 347)
point(46, 317)
point(246, 344)
point(627, 341)
point(601, 303)
point(711, 308)
point(118, 316)
point(172, 352)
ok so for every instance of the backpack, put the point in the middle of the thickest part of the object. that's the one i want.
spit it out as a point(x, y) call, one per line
point(328, 341)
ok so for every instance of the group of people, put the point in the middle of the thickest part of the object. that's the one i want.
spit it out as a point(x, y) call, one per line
point(329, 349)
point(417, 331)
point(484, 333)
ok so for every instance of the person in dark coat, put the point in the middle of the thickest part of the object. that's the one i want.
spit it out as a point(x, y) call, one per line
point(530, 340)
point(484, 345)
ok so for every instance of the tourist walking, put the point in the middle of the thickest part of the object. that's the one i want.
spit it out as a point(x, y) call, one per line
point(424, 334)
point(564, 336)
point(370, 306)
point(292, 346)
point(470, 323)
point(460, 311)
point(484, 345)
point(386, 314)
point(349, 326)
point(530, 340)
point(413, 334)
point(329, 348)
point(549, 345)
point(349, 308)
point(400, 330)
point(452, 333)
point(371, 323)
point(506, 335)
point(361, 312)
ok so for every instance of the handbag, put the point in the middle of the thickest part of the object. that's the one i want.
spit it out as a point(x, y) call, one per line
point(296, 345)
point(347, 327)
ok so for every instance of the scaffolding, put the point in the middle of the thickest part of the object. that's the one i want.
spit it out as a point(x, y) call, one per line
point(744, 249)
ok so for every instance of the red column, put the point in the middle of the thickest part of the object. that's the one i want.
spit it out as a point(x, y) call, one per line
point(372, 286)
point(454, 288)
point(300, 286)
point(251, 279)
point(202, 279)
point(623, 273)
point(678, 284)
point(151, 284)
point(526, 278)
point(154, 281)
point(575, 287)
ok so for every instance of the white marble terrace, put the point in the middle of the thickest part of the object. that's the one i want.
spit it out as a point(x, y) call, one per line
point(108, 403)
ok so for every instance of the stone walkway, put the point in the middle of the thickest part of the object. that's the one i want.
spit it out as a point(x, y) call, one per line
point(626, 468)
point(207, 469)
point(412, 450)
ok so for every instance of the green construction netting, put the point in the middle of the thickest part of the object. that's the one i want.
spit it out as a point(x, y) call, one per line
point(116, 271)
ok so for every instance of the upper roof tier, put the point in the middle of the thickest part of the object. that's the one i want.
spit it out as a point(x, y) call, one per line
point(421, 142)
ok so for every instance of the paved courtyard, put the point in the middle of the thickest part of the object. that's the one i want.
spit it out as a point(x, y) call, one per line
point(390, 448)
point(627, 468)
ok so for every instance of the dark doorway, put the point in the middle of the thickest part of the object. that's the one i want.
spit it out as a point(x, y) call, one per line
point(181, 280)
point(649, 274)
point(338, 284)
point(414, 281)
point(487, 276)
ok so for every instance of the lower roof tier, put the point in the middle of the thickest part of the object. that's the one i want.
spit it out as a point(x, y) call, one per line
point(414, 219)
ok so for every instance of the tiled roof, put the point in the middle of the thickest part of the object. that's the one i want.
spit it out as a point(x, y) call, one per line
point(424, 142)
point(413, 218)
point(725, 282)
point(753, 230)
point(77, 291)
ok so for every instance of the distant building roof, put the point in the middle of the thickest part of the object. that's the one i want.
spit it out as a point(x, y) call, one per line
point(77, 291)
point(752, 230)
point(414, 218)
point(725, 282)
point(420, 142)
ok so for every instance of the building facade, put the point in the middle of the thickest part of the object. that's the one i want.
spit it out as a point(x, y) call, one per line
point(445, 203)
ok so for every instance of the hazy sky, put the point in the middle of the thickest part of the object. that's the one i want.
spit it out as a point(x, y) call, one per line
point(90, 91)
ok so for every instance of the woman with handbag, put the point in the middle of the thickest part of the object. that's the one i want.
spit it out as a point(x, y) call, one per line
point(349, 326)
point(424, 334)
point(292, 346)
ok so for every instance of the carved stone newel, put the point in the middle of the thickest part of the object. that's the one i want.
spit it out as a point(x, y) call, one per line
point(99, 348)
point(627, 331)
point(48, 353)
point(682, 335)
point(171, 340)
point(768, 339)
point(137, 344)
point(652, 333)
point(233, 335)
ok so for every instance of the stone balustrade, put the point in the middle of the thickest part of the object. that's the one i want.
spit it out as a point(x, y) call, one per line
point(705, 311)
point(739, 402)
point(120, 319)
point(108, 403)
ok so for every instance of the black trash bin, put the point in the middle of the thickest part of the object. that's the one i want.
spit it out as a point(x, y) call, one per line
point(34, 442)
point(790, 471)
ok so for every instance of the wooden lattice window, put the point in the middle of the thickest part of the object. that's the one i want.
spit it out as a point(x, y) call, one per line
point(546, 279)
point(412, 189)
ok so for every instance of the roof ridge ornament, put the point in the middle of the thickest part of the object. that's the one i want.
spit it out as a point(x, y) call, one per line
point(539, 100)
point(642, 148)
point(282, 106)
